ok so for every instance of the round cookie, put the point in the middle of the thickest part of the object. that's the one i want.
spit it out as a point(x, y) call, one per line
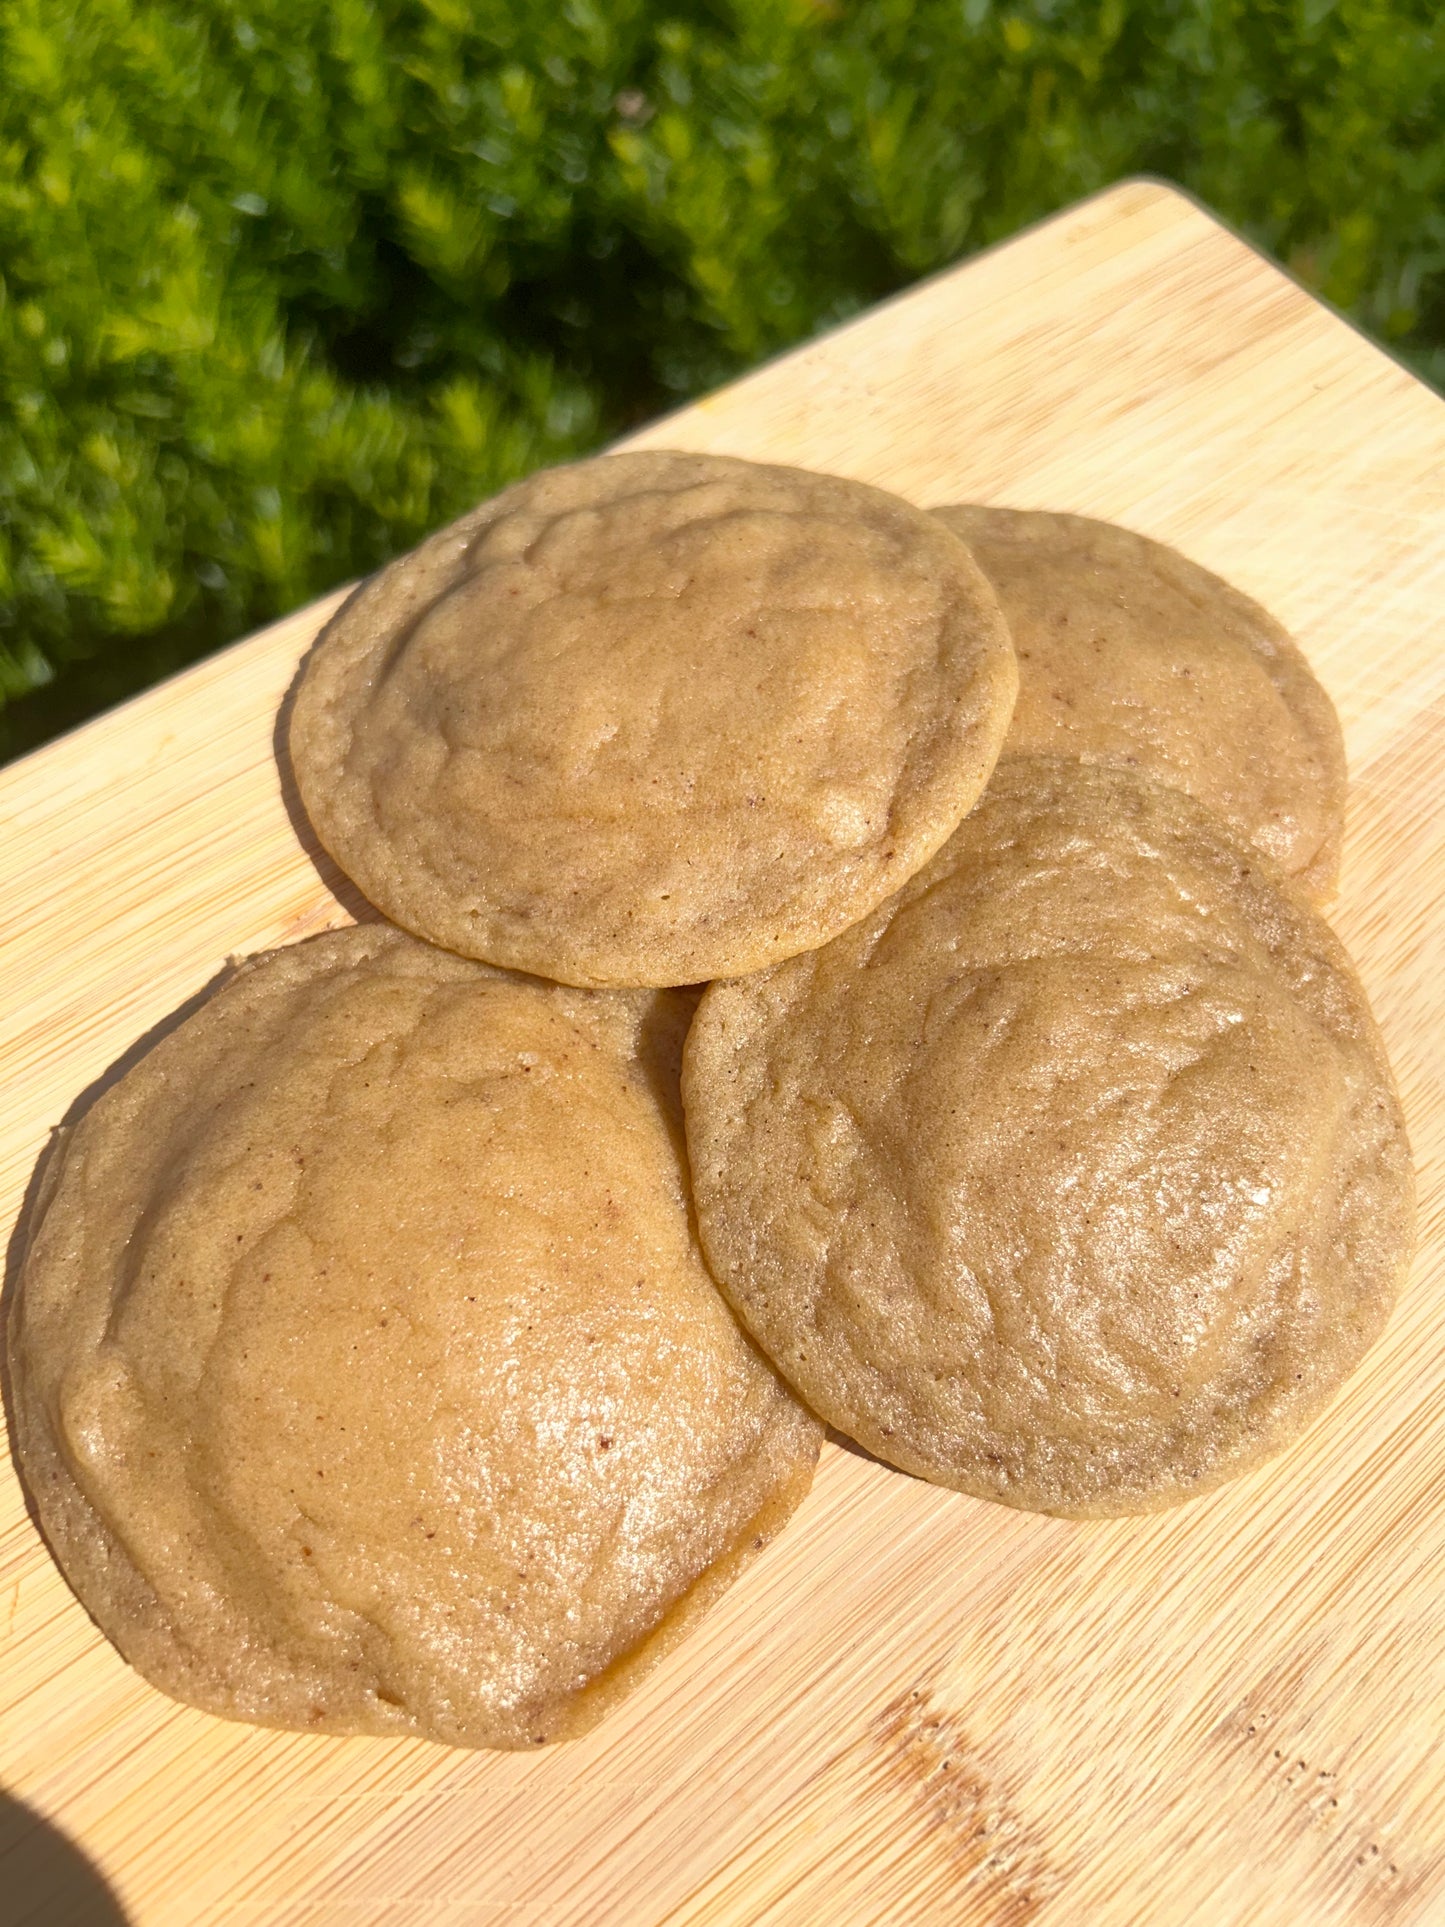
point(1074, 1176)
point(368, 1376)
point(1132, 655)
point(654, 718)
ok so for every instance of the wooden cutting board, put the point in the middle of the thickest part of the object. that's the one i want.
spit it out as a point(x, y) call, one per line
point(915, 1707)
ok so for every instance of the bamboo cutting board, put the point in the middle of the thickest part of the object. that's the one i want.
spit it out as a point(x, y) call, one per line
point(915, 1708)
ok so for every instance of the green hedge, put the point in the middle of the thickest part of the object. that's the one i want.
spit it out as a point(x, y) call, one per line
point(284, 284)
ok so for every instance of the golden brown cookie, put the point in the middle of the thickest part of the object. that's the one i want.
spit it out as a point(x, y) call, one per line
point(1132, 655)
point(654, 718)
point(368, 1376)
point(1074, 1175)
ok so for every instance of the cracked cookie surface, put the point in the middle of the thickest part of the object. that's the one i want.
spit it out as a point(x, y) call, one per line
point(1132, 655)
point(654, 718)
point(368, 1375)
point(1074, 1176)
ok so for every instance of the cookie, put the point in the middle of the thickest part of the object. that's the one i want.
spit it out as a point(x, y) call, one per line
point(368, 1376)
point(1131, 655)
point(654, 718)
point(1074, 1176)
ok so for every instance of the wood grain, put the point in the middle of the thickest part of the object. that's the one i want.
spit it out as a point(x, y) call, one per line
point(915, 1707)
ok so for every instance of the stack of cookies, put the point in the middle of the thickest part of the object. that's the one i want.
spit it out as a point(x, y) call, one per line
point(424, 1331)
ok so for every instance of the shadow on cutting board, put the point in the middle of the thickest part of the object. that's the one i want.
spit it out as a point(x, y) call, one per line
point(44, 1880)
point(332, 876)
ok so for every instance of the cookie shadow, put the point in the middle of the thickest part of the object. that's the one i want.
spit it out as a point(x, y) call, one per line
point(45, 1878)
point(835, 1437)
point(660, 1040)
point(333, 879)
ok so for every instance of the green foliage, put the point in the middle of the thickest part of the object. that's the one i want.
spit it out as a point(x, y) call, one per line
point(284, 285)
